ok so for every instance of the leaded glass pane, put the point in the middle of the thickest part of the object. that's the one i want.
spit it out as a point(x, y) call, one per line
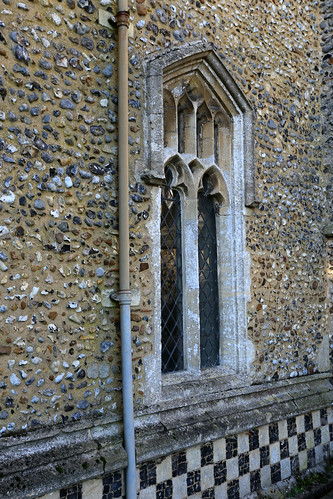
point(171, 281)
point(208, 283)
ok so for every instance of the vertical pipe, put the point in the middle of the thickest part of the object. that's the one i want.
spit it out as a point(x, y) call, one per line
point(124, 295)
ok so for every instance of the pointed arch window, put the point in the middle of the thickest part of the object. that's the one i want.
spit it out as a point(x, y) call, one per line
point(208, 282)
point(171, 279)
point(204, 180)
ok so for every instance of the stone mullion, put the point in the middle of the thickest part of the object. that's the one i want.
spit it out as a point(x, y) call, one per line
point(191, 286)
point(208, 139)
point(190, 133)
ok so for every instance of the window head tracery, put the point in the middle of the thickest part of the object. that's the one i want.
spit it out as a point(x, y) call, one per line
point(195, 104)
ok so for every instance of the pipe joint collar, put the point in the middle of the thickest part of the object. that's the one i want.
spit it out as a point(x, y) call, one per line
point(122, 18)
point(122, 297)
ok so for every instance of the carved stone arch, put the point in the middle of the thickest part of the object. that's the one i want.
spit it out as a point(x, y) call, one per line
point(182, 176)
point(217, 188)
point(195, 90)
point(177, 67)
point(196, 166)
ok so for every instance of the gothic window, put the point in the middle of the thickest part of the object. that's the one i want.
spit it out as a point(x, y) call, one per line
point(199, 162)
point(191, 177)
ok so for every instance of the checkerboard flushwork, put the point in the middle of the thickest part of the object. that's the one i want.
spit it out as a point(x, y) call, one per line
point(231, 467)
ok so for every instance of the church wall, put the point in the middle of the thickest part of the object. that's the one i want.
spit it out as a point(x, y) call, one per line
point(60, 381)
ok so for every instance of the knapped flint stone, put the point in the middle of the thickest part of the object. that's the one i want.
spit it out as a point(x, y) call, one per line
point(19, 232)
point(81, 374)
point(134, 60)
point(44, 64)
point(68, 182)
point(41, 74)
point(108, 71)
point(68, 407)
point(137, 198)
point(40, 144)
point(83, 404)
point(7, 159)
point(21, 69)
point(58, 378)
point(162, 16)
point(71, 75)
point(15, 130)
point(12, 116)
point(24, 108)
point(72, 170)
point(106, 345)
point(81, 29)
point(48, 158)
point(66, 104)
point(61, 60)
point(77, 220)
point(63, 226)
point(32, 97)
point(91, 214)
point(76, 96)
point(34, 85)
point(178, 35)
point(3, 256)
point(15, 380)
point(4, 414)
point(97, 130)
point(271, 124)
point(87, 5)
point(21, 54)
point(39, 204)
point(87, 42)
point(327, 48)
point(84, 174)
point(75, 63)
point(49, 392)
point(134, 103)
point(46, 97)
point(96, 169)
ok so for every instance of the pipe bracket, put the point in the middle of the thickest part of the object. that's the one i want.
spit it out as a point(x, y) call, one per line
point(122, 18)
point(122, 297)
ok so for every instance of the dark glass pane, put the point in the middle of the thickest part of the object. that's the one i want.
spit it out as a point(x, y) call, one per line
point(208, 285)
point(171, 281)
point(216, 144)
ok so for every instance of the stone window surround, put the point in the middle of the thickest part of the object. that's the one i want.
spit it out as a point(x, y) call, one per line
point(236, 186)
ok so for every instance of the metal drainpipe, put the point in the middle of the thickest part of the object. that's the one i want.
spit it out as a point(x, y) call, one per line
point(124, 295)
